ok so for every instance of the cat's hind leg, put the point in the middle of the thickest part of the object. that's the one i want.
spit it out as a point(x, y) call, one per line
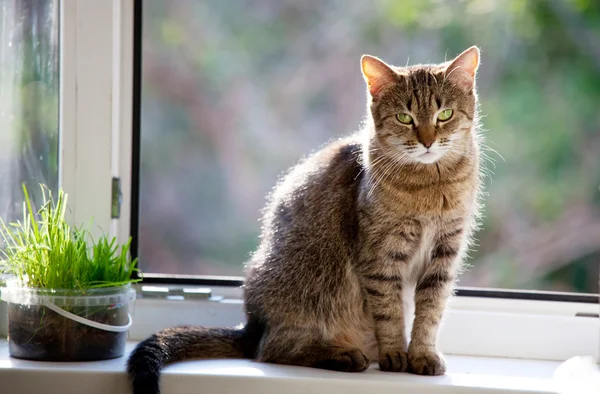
point(284, 350)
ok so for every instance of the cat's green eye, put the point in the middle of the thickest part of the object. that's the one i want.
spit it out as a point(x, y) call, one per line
point(445, 115)
point(404, 118)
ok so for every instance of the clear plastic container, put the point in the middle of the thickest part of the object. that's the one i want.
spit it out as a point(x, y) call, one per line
point(67, 325)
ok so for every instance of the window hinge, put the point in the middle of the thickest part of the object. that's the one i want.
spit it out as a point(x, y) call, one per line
point(116, 198)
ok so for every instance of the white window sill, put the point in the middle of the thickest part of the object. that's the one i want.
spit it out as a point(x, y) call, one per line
point(466, 374)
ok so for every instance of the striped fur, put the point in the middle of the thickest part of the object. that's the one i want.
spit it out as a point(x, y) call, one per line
point(357, 239)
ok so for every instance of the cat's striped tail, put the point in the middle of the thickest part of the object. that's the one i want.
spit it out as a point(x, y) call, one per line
point(183, 343)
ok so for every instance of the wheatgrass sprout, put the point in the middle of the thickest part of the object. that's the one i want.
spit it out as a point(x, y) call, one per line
point(43, 251)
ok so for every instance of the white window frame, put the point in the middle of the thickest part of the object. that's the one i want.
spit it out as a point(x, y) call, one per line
point(96, 135)
point(473, 326)
point(96, 74)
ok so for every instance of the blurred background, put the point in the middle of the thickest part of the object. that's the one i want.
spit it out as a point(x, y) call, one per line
point(235, 92)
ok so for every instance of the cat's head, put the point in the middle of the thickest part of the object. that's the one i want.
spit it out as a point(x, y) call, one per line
point(422, 113)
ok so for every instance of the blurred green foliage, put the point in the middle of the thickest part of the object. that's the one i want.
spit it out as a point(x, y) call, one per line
point(236, 92)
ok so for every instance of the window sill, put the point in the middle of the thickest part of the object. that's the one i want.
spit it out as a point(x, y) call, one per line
point(466, 374)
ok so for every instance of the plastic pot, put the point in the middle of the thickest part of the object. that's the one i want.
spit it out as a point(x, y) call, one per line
point(67, 325)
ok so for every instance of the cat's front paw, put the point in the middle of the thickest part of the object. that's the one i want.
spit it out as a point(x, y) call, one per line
point(393, 361)
point(426, 362)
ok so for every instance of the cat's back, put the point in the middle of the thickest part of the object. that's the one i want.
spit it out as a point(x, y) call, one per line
point(337, 163)
point(315, 195)
point(321, 188)
point(309, 228)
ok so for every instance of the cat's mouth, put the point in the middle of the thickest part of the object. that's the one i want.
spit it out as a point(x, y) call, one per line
point(428, 157)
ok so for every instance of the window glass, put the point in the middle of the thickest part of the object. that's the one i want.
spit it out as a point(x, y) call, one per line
point(29, 100)
point(235, 92)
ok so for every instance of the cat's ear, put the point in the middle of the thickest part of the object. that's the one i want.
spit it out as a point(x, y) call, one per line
point(377, 74)
point(463, 68)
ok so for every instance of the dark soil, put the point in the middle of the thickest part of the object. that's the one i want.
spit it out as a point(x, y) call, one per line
point(38, 333)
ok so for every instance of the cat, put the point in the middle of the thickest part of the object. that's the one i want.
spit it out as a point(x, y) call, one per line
point(360, 239)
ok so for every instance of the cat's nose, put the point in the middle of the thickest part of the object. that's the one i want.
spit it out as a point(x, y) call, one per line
point(426, 136)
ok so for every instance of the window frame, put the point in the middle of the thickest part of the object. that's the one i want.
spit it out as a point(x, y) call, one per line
point(87, 84)
point(95, 115)
point(118, 25)
point(473, 326)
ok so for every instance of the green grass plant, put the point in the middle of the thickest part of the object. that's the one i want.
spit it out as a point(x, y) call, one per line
point(43, 251)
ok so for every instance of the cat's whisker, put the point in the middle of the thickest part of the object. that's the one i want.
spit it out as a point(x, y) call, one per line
point(465, 138)
point(435, 79)
point(385, 174)
point(487, 159)
point(488, 148)
point(451, 71)
point(378, 160)
point(393, 165)
point(373, 181)
point(385, 171)
point(360, 172)
point(446, 76)
point(401, 159)
point(372, 164)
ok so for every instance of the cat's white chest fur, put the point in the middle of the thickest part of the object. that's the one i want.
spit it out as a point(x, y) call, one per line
point(422, 256)
point(414, 270)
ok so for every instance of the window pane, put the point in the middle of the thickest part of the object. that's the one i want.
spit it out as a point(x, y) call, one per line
point(29, 99)
point(235, 92)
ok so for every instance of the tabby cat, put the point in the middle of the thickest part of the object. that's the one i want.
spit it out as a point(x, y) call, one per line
point(360, 241)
